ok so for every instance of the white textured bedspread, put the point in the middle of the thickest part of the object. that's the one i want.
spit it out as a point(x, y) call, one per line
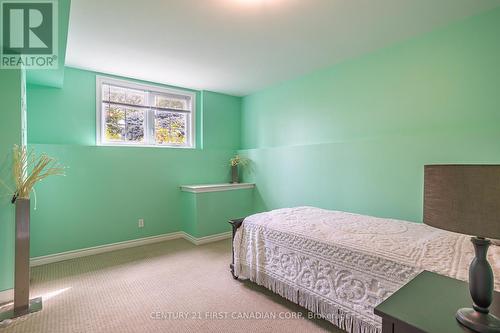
point(341, 265)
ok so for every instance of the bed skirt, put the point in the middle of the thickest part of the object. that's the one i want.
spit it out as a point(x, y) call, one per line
point(319, 306)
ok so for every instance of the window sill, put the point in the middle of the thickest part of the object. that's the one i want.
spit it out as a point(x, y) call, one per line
point(142, 146)
point(216, 187)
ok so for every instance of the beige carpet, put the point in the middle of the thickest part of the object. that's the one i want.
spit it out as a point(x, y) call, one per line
point(166, 287)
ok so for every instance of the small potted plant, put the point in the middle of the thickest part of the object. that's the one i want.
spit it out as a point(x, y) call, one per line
point(236, 162)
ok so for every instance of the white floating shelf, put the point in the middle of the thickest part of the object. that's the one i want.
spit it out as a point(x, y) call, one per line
point(215, 187)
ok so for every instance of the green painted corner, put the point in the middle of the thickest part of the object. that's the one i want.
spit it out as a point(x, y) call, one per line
point(224, 126)
point(11, 89)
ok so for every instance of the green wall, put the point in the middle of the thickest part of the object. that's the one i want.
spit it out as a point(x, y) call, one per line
point(55, 77)
point(352, 137)
point(107, 189)
point(11, 82)
point(208, 213)
point(12, 131)
point(218, 123)
point(356, 136)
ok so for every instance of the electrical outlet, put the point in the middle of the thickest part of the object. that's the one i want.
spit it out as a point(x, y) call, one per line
point(140, 223)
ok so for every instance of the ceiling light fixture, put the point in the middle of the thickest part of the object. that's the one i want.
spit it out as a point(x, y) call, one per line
point(251, 2)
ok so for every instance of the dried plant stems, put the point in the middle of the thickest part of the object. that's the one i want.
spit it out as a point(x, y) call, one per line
point(27, 170)
point(238, 160)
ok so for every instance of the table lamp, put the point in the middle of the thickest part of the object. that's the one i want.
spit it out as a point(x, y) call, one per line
point(466, 199)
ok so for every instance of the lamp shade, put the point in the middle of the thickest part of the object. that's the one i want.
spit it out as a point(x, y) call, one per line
point(463, 199)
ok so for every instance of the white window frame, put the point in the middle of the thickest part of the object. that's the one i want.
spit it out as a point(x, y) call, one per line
point(149, 139)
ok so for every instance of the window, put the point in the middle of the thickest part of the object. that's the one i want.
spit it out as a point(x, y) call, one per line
point(140, 115)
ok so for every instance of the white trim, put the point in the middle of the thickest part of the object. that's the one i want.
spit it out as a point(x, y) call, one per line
point(131, 84)
point(51, 258)
point(215, 187)
point(143, 146)
point(98, 110)
point(6, 296)
point(207, 239)
point(42, 260)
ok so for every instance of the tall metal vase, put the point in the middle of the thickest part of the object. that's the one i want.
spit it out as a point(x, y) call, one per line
point(22, 303)
point(235, 179)
point(22, 263)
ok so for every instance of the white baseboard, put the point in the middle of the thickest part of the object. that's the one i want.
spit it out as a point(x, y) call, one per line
point(51, 258)
point(37, 261)
point(207, 239)
point(6, 296)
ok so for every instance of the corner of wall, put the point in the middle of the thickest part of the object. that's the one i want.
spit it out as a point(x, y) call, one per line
point(11, 132)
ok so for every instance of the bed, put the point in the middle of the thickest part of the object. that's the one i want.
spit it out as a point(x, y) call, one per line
point(341, 265)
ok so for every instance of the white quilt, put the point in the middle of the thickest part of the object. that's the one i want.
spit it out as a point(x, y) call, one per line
point(341, 265)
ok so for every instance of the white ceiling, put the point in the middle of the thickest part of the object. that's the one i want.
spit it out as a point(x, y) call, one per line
point(241, 46)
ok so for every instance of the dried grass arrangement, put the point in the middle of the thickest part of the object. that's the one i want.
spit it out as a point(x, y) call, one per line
point(28, 170)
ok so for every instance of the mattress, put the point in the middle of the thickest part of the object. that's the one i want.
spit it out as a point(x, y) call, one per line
point(341, 265)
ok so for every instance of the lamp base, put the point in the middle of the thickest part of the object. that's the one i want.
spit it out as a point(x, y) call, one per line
point(477, 321)
point(34, 306)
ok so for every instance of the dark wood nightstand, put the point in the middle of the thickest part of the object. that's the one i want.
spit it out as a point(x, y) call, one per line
point(235, 224)
point(427, 304)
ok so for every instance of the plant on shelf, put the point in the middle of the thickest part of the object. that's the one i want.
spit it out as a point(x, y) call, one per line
point(236, 162)
point(27, 171)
